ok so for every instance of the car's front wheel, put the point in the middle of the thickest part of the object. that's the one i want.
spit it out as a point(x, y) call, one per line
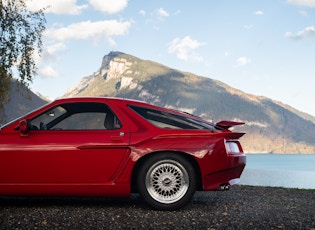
point(167, 181)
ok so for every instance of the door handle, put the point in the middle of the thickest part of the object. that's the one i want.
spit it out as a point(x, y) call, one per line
point(117, 138)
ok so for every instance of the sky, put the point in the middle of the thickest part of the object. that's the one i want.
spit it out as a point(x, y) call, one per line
point(262, 47)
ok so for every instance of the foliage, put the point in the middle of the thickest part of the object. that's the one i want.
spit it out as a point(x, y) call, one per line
point(20, 39)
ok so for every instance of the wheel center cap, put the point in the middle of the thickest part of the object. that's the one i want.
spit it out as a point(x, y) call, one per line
point(167, 182)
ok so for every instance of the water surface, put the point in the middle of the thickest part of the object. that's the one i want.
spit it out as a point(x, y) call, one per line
point(280, 170)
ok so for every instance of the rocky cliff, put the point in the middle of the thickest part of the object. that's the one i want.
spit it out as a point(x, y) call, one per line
point(271, 126)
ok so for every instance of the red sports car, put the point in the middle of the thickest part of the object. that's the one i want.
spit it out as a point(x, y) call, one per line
point(114, 147)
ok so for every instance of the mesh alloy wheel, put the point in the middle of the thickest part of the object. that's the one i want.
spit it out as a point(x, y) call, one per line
point(167, 181)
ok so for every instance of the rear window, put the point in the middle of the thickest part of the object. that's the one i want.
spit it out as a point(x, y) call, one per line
point(168, 120)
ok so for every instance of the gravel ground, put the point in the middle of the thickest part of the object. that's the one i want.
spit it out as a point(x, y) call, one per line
point(242, 207)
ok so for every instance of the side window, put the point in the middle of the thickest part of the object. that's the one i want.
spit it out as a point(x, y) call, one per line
point(45, 118)
point(77, 116)
point(163, 119)
point(168, 120)
point(82, 121)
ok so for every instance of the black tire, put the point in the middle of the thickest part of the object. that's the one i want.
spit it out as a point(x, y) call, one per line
point(167, 181)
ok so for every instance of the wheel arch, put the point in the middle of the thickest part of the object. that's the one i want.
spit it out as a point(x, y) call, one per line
point(140, 162)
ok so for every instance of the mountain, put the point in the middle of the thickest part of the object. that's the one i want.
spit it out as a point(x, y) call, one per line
point(21, 101)
point(270, 125)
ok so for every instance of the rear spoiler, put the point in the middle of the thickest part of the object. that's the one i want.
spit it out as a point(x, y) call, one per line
point(228, 124)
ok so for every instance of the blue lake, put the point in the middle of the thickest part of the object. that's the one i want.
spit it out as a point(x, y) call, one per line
point(280, 170)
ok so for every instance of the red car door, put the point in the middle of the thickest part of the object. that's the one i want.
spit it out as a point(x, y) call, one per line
point(62, 155)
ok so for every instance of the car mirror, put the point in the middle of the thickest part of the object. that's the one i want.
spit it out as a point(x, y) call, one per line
point(24, 127)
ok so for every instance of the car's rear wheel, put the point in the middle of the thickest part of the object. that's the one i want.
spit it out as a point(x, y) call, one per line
point(167, 181)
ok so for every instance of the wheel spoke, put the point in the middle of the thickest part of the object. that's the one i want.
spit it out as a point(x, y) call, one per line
point(167, 181)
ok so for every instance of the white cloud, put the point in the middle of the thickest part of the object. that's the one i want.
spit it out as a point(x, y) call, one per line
point(184, 48)
point(155, 17)
point(307, 32)
point(109, 6)
point(162, 13)
point(52, 52)
point(142, 12)
point(259, 12)
point(48, 71)
point(303, 13)
point(227, 54)
point(87, 30)
point(50, 56)
point(307, 3)
point(242, 61)
point(248, 27)
point(56, 6)
point(71, 6)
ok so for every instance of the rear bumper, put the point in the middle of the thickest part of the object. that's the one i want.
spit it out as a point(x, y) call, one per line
point(228, 176)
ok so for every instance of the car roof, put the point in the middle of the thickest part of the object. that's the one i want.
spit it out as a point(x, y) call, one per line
point(114, 100)
point(118, 100)
point(87, 98)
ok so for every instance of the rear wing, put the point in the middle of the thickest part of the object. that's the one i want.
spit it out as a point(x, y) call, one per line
point(228, 124)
